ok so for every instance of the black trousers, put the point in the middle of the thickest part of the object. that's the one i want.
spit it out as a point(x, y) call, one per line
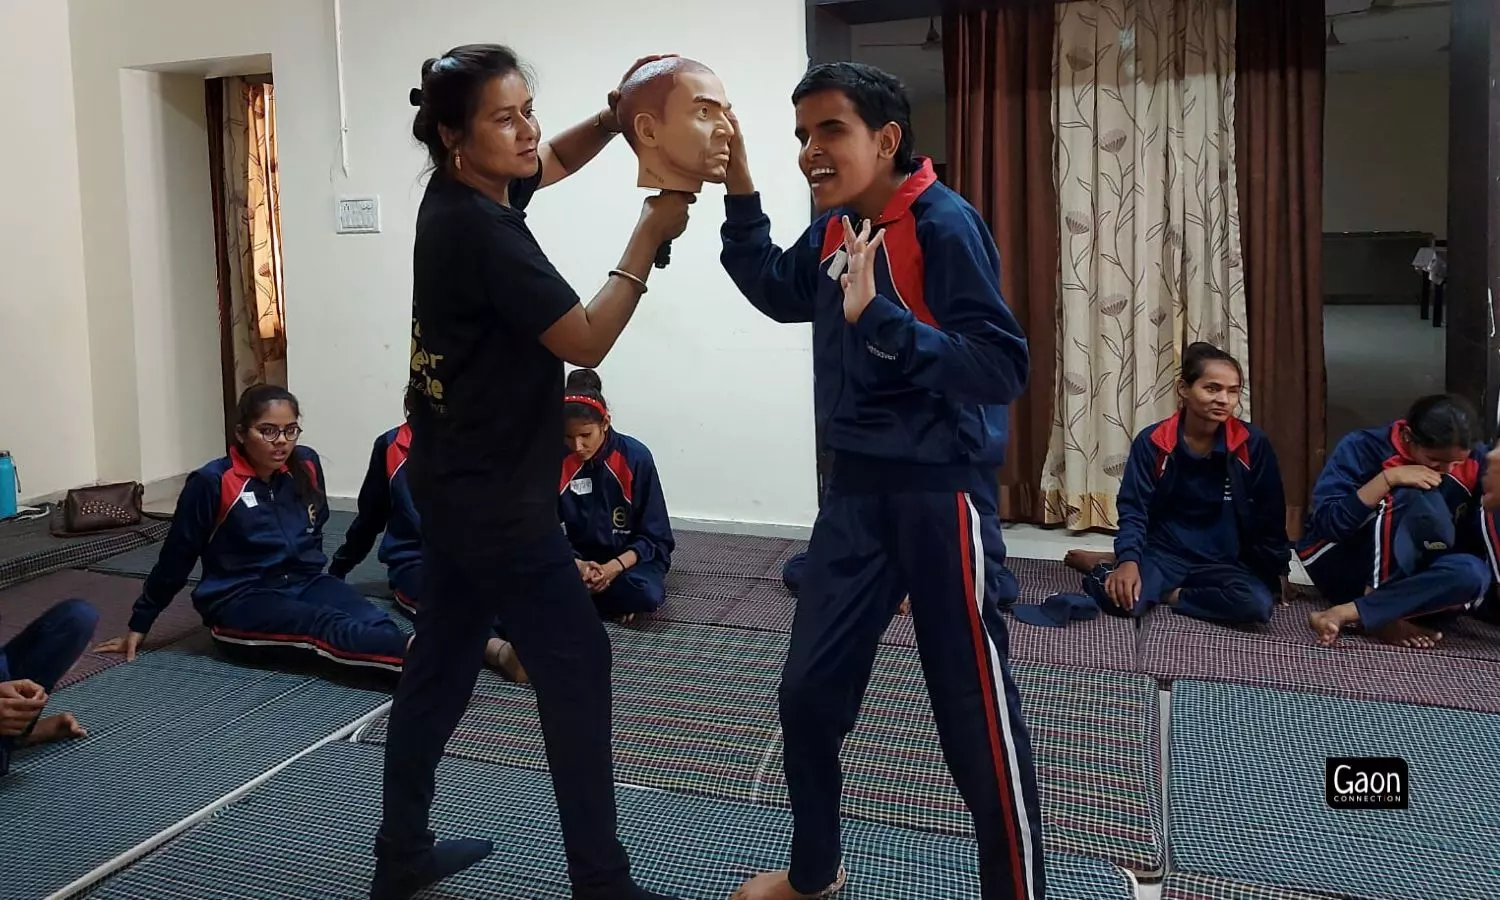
point(550, 619)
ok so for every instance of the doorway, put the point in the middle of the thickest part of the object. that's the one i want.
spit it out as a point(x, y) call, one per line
point(241, 114)
point(1385, 208)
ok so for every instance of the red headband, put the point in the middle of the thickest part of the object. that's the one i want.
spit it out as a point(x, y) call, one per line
point(587, 401)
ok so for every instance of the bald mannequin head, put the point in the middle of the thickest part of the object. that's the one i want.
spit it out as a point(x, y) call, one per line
point(674, 114)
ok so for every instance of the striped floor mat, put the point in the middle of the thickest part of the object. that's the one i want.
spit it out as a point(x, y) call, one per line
point(1107, 643)
point(695, 713)
point(1201, 887)
point(28, 549)
point(309, 831)
point(1247, 795)
point(1462, 673)
point(168, 734)
point(112, 595)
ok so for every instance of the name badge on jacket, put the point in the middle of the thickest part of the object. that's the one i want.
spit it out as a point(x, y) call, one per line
point(581, 486)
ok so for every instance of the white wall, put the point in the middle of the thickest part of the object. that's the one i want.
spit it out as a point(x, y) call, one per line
point(1385, 151)
point(46, 414)
point(173, 275)
point(723, 397)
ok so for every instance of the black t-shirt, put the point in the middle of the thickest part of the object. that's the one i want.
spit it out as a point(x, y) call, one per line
point(485, 395)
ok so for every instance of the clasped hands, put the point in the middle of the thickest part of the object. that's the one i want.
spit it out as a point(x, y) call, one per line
point(597, 577)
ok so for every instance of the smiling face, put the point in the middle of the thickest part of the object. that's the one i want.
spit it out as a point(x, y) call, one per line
point(842, 158)
point(500, 143)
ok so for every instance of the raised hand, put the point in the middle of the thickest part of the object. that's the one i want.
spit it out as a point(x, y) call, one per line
point(608, 119)
point(858, 279)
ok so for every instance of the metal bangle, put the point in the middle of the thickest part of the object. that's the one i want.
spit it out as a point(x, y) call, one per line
point(640, 282)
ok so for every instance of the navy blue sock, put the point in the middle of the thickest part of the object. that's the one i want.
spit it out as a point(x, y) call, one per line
point(446, 858)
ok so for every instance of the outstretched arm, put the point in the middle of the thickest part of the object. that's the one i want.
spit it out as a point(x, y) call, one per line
point(374, 510)
point(780, 283)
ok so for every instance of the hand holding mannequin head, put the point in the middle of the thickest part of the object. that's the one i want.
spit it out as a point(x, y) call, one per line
point(674, 115)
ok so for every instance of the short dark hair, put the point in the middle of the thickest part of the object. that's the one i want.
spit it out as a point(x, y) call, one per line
point(1440, 421)
point(451, 87)
point(587, 385)
point(878, 96)
point(1198, 355)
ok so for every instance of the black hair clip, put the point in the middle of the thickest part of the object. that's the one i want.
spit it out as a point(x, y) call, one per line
point(416, 96)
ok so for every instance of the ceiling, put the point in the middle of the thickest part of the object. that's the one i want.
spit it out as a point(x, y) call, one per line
point(1396, 34)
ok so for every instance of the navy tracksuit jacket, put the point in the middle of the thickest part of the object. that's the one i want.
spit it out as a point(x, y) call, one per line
point(614, 503)
point(912, 404)
point(1417, 552)
point(263, 585)
point(385, 503)
point(1214, 526)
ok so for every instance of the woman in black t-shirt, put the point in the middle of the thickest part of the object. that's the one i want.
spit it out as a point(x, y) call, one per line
point(492, 324)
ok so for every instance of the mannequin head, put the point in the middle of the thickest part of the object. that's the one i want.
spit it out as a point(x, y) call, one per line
point(674, 114)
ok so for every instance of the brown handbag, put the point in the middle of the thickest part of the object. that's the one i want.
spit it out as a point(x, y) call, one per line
point(101, 508)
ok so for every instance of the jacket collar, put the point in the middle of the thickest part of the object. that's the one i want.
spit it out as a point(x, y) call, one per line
point(241, 466)
point(910, 190)
point(1168, 432)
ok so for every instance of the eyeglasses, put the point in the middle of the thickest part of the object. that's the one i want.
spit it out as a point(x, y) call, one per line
point(269, 433)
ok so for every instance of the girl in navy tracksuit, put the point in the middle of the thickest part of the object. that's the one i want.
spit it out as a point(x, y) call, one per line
point(1202, 509)
point(916, 358)
point(255, 519)
point(612, 508)
point(385, 504)
point(1396, 530)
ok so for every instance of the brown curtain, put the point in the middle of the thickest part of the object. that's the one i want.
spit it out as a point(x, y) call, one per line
point(1279, 163)
point(252, 204)
point(998, 66)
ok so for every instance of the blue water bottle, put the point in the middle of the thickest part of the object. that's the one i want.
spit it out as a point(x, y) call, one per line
point(9, 487)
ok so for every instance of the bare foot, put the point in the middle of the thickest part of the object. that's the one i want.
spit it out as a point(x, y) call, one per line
point(1404, 634)
point(775, 886)
point(1327, 623)
point(625, 619)
point(61, 727)
point(501, 655)
point(905, 609)
point(1087, 561)
point(1171, 599)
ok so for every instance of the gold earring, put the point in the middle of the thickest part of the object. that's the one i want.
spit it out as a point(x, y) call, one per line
point(458, 161)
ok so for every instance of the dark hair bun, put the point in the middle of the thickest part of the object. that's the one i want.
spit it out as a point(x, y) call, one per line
point(415, 96)
point(585, 381)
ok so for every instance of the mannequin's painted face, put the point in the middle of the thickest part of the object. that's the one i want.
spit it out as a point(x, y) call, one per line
point(676, 116)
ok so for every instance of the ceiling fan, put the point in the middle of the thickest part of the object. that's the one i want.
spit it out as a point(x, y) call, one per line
point(933, 41)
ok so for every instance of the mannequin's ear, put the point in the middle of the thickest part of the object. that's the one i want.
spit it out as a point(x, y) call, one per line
point(645, 126)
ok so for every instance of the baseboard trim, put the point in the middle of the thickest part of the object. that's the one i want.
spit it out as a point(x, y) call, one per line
point(754, 529)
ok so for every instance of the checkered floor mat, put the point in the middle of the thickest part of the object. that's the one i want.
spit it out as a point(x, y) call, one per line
point(1179, 886)
point(1106, 643)
point(168, 734)
point(111, 595)
point(28, 550)
point(695, 712)
point(1247, 794)
point(308, 832)
point(1463, 673)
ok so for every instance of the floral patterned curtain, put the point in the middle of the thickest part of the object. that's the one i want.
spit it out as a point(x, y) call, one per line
point(1143, 99)
point(252, 205)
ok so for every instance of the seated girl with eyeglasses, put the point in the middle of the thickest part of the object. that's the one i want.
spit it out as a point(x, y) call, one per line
point(255, 519)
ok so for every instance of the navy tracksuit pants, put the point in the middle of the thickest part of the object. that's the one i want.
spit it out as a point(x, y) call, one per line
point(1217, 592)
point(321, 614)
point(945, 550)
point(1405, 564)
point(640, 589)
point(535, 589)
point(44, 651)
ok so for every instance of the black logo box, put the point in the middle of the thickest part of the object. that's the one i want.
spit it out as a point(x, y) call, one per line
point(1366, 782)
